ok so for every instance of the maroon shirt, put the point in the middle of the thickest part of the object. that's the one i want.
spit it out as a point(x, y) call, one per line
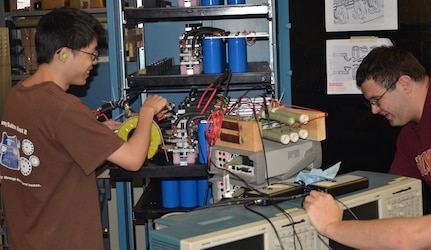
point(413, 154)
point(51, 146)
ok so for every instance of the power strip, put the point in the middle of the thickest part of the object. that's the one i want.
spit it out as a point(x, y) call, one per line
point(341, 184)
point(276, 190)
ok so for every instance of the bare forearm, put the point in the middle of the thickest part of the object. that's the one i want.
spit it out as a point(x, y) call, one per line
point(325, 215)
point(396, 233)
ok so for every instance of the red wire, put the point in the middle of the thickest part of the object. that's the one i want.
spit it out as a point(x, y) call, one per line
point(213, 126)
point(204, 93)
point(209, 101)
point(212, 131)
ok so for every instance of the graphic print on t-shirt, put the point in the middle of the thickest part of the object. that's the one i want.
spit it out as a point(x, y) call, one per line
point(423, 161)
point(10, 154)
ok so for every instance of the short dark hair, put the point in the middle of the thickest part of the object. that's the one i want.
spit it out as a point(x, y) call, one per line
point(385, 64)
point(66, 27)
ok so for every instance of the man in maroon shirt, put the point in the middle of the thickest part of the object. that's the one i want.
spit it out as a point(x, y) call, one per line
point(397, 87)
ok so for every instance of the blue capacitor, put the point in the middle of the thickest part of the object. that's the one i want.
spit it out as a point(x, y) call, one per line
point(212, 2)
point(188, 193)
point(237, 54)
point(235, 1)
point(214, 53)
point(170, 193)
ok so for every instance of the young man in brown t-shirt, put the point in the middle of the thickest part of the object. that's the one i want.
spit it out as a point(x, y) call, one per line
point(51, 143)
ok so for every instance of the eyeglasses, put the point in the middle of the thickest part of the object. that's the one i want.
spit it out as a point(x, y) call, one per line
point(94, 55)
point(376, 101)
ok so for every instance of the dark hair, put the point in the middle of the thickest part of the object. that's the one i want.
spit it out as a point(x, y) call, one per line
point(66, 27)
point(385, 64)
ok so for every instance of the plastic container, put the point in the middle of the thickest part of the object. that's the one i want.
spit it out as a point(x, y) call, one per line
point(237, 54)
point(214, 53)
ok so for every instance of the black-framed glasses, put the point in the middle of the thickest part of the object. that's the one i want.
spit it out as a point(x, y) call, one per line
point(376, 101)
point(94, 55)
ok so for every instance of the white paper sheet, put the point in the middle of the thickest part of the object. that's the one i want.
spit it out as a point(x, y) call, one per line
point(343, 57)
point(341, 15)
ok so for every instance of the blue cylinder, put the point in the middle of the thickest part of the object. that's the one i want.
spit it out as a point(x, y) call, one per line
point(204, 192)
point(237, 54)
point(212, 2)
point(170, 193)
point(235, 1)
point(214, 53)
point(188, 193)
point(202, 140)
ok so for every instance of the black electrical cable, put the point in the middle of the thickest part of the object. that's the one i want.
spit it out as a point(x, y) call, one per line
point(247, 206)
point(292, 222)
point(198, 32)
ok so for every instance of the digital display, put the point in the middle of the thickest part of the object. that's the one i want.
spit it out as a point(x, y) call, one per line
point(255, 242)
point(366, 211)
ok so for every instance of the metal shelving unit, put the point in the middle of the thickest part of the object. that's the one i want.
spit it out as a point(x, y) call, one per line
point(259, 75)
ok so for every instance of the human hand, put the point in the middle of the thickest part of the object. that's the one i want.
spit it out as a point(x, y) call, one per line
point(157, 103)
point(322, 210)
point(112, 124)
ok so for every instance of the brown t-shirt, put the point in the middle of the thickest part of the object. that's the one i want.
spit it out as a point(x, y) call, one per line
point(51, 145)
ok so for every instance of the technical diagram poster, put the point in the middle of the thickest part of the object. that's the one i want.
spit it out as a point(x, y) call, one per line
point(343, 57)
point(354, 15)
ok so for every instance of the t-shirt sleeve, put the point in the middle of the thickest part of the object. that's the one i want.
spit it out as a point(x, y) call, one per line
point(404, 160)
point(88, 141)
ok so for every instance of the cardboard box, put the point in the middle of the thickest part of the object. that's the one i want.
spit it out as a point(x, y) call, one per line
point(27, 37)
point(30, 59)
point(97, 4)
point(80, 4)
point(54, 4)
point(86, 4)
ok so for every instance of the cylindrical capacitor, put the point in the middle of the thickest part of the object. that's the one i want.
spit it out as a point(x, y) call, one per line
point(303, 133)
point(301, 118)
point(289, 120)
point(276, 136)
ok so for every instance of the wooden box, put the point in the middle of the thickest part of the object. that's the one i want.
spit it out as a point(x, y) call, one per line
point(240, 134)
point(316, 126)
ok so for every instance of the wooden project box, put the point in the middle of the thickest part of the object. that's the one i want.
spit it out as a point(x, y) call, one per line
point(316, 126)
point(239, 134)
